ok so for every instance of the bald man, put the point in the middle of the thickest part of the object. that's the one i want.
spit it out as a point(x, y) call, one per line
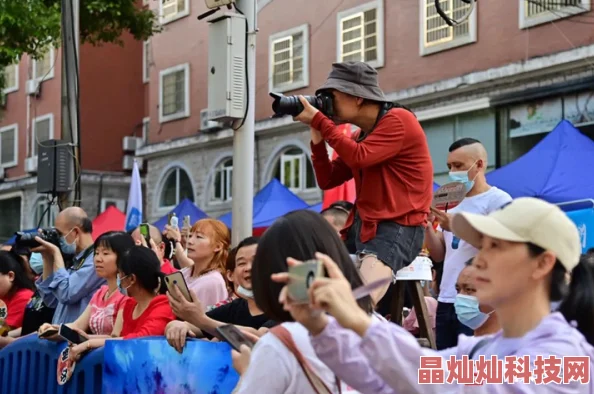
point(157, 238)
point(467, 162)
point(70, 289)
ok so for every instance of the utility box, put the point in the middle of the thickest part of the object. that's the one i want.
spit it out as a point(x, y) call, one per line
point(54, 165)
point(227, 67)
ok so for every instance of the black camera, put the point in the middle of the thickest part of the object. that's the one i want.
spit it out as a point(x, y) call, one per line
point(290, 105)
point(27, 240)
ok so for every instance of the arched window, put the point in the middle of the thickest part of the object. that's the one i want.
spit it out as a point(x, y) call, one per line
point(294, 170)
point(176, 187)
point(44, 214)
point(222, 181)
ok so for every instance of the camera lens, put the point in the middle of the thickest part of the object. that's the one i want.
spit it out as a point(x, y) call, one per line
point(309, 280)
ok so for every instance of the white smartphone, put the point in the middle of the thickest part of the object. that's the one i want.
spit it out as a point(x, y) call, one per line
point(300, 279)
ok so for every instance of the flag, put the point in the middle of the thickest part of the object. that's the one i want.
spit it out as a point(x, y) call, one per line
point(134, 209)
point(344, 192)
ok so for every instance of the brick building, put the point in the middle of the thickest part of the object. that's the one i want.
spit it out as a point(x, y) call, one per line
point(112, 107)
point(506, 76)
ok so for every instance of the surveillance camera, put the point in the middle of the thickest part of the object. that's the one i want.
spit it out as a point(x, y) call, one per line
point(217, 3)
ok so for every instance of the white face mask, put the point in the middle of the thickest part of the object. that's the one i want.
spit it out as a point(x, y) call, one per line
point(242, 291)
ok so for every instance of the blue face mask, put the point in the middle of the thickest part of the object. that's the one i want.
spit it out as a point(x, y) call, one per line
point(242, 291)
point(462, 177)
point(124, 291)
point(468, 312)
point(36, 263)
point(65, 247)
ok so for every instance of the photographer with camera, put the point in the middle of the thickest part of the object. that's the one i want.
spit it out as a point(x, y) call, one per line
point(389, 160)
point(68, 289)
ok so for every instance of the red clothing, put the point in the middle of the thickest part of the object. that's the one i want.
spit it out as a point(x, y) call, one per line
point(152, 322)
point(167, 268)
point(392, 169)
point(15, 307)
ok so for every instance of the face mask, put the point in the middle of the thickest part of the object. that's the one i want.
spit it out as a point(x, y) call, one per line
point(462, 176)
point(242, 291)
point(468, 312)
point(123, 290)
point(36, 263)
point(65, 247)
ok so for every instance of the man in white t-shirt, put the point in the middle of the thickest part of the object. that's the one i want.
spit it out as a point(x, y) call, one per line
point(467, 162)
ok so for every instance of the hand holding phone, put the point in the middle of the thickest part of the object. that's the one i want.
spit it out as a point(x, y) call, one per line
point(178, 279)
point(145, 231)
point(70, 335)
point(300, 279)
point(234, 337)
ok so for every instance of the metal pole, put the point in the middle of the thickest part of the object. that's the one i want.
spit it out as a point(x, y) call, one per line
point(243, 139)
point(70, 66)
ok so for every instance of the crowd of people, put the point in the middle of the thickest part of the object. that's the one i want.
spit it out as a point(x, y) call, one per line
point(508, 277)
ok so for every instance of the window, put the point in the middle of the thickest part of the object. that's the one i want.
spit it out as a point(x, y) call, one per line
point(176, 187)
point(10, 212)
point(222, 182)
point(43, 130)
point(115, 202)
point(534, 13)
point(11, 75)
point(361, 34)
point(146, 61)
point(174, 95)
point(44, 214)
point(146, 122)
point(289, 59)
point(171, 10)
point(294, 170)
point(437, 35)
point(43, 68)
point(9, 145)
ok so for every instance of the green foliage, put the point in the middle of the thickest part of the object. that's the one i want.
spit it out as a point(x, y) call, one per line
point(30, 26)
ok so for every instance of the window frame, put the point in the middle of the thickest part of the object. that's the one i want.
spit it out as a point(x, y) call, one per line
point(51, 73)
point(49, 116)
point(146, 128)
point(15, 87)
point(3, 129)
point(471, 38)
point(120, 203)
point(525, 22)
point(280, 36)
point(291, 157)
point(228, 197)
point(180, 14)
point(186, 111)
point(43, 201)
point(173, 169)
point(378, 5)
point(146, 74)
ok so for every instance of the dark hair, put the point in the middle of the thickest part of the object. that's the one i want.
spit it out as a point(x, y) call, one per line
point(117, 241)
point(463, 142)
point(342, 204)
point(145, 265)
point(577, 297)
point(86, 225)
point(299, 234)
point(249, 241)
point(10, 261)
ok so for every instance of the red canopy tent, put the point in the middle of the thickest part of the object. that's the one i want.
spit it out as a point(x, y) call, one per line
point(112, 219)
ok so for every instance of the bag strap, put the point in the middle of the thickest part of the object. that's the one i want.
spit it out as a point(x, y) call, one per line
point(316, 382)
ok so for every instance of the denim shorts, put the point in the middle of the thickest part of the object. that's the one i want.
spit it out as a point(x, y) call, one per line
point(394, 245)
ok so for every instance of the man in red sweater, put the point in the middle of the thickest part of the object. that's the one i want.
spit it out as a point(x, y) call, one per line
point(390, 161)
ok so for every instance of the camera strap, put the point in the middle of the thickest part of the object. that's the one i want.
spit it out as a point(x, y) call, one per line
point(77, 263)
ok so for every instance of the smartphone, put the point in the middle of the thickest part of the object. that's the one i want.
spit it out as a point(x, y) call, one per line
point(300, 279)
point(177, 278)
point(48, 333)
point(233, 336)
point(145, 231)
point(70, 335)
point(169, 216)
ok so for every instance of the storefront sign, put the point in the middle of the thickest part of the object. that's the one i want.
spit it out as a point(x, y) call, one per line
point(535, 117)
point(579, 108)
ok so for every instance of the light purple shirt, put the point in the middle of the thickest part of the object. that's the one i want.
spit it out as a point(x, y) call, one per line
point(389, 353)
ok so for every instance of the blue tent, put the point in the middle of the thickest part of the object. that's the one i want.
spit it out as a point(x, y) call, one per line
point(12, 239)
point(185, 208)
point(435, 186)
point(557, 169)
point(272, 201)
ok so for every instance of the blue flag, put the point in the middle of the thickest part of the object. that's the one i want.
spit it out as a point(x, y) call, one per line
point(134, 209)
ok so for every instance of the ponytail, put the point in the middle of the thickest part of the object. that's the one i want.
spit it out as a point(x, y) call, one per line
point(578, 305)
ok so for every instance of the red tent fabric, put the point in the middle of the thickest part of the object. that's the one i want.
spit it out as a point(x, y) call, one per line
point(112, 219)
point(344, 192)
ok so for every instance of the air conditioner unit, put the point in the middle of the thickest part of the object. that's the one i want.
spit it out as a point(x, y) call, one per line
point(208, 125)
point(130, 144)
point(32, 87)
point(31, 165)
point(128, 162)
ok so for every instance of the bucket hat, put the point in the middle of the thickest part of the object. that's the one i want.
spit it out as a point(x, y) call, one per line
point(358, 79)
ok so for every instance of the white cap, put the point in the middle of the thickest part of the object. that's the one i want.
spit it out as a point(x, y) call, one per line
point(525, 220)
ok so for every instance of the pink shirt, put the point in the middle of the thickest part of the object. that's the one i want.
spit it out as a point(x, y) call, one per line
point(411, 324)
point(210, 288)
point(104, 312)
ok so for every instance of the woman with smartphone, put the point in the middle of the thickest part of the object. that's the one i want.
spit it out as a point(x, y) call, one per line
point(100, 315)
point(146, 311)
